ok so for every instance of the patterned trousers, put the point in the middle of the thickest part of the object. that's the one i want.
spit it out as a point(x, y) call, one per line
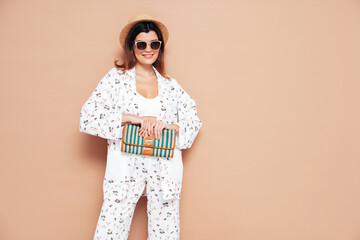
point(116, 215)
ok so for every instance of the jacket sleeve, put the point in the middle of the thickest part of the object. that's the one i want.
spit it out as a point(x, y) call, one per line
point(99, 116)
point(188, 120)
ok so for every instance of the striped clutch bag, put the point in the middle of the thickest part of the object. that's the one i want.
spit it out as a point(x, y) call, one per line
point(148, 145)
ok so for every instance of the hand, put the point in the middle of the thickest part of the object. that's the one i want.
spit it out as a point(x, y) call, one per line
point(145, 123)
point(159, 126)
point(175, 127)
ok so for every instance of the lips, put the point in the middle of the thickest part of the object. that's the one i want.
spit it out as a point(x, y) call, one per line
point(148, 55)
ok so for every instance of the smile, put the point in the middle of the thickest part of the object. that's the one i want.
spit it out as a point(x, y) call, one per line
point(148, 55)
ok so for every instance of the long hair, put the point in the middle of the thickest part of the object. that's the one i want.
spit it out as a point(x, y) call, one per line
point(129, 58)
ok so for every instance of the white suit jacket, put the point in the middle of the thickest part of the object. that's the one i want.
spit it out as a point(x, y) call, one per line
point(101, 115)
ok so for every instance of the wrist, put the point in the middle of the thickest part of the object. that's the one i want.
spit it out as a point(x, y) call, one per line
point(175, 127)
point(128, 118)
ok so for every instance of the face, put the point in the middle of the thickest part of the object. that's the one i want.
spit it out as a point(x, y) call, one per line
point(147, 56)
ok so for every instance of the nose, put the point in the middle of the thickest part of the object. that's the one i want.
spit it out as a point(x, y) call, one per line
point(148, 47)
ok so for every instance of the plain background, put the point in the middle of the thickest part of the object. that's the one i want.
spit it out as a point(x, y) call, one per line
point(276, 85)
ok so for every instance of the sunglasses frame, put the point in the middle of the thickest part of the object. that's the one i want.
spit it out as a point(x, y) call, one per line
point(135, 42)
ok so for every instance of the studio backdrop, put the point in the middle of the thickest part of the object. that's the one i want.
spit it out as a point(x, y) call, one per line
point(276, 85)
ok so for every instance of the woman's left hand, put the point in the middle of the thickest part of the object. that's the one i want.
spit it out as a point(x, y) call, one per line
point(157, 127)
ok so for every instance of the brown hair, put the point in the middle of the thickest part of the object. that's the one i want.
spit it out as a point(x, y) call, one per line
point(129, 59)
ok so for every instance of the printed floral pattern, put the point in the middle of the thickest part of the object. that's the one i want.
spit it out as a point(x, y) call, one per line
point(116, 213)
point(115, 94)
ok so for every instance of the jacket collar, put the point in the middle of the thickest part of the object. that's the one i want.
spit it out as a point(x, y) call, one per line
point(131, 73)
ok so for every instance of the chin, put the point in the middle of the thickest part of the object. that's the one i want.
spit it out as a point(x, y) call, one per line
point(147, 61)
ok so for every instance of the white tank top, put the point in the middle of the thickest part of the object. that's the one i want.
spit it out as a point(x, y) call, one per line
point(149, 106)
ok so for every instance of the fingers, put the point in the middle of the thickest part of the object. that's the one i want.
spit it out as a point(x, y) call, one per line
point(141, 127)
point(144, 127)
point(159, 126)
point(156, 131)
point(148, 128)
point(152, 128)
point(147, 131)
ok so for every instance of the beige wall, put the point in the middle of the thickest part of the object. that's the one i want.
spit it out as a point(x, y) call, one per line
point(277, 88)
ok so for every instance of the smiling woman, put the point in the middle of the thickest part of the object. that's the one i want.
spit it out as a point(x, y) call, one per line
point(138, 92)
point(149, 31)
point(147, 47)
point(144, 41)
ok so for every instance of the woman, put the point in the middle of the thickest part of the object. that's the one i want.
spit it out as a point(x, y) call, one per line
point(137, 92)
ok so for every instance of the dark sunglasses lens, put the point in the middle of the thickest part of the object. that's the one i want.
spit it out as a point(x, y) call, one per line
point(141, 45)
point(155, 45)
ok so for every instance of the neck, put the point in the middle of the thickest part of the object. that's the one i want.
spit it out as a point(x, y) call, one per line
point(144, 69)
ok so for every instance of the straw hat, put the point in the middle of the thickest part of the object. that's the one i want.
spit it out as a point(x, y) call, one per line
point(139, 18)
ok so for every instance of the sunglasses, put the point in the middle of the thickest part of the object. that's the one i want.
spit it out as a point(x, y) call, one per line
point(141, 45)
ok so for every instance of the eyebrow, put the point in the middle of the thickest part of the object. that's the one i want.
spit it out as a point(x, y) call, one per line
point(150, 40)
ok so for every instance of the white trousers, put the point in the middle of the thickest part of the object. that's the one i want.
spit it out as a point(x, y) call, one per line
point(116, 215)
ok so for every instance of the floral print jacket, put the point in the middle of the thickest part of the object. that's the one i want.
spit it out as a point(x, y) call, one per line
point(101, 116)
